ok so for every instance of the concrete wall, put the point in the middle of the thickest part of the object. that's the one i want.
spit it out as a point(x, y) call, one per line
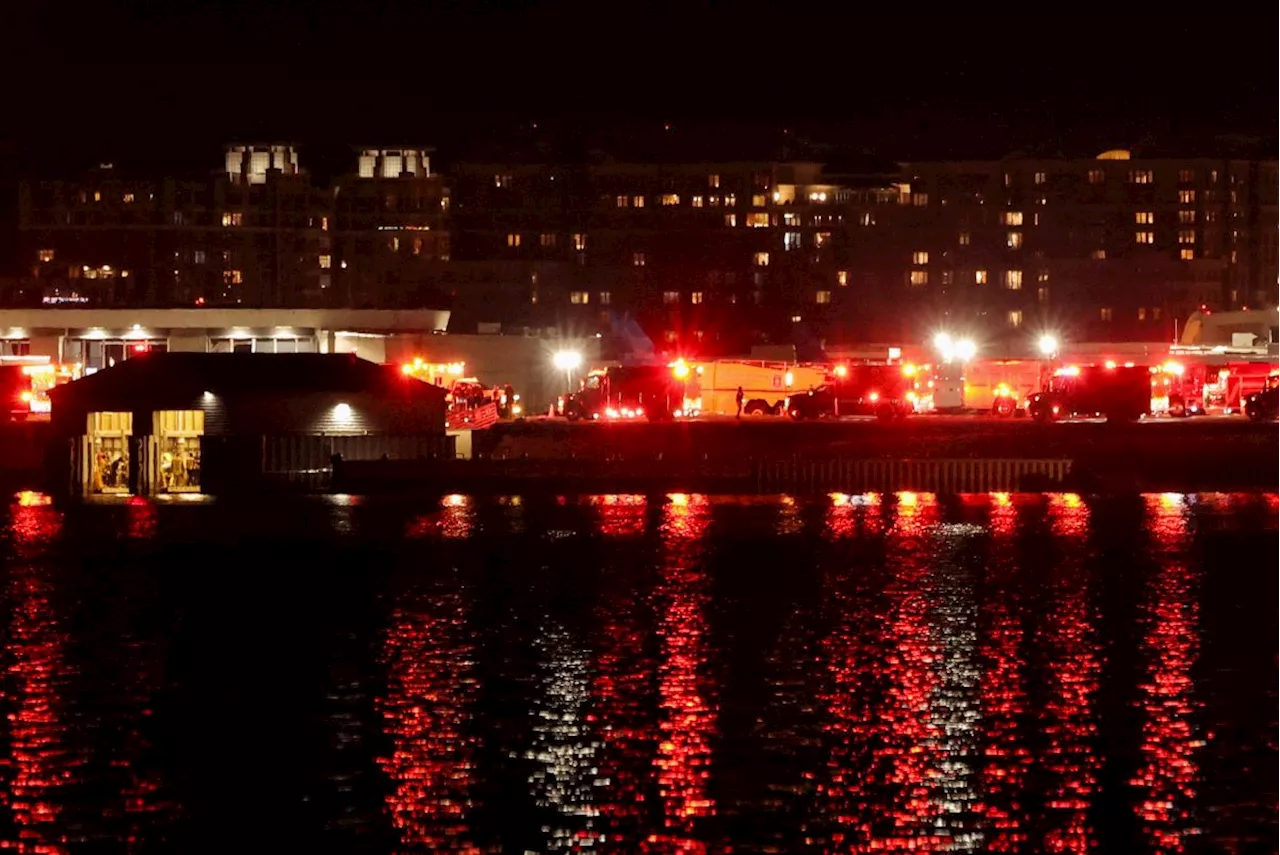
point(524, 362)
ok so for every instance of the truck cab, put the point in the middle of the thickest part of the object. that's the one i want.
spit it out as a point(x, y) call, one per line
point(1264, 406)
point(1117, 392)
point(625, 393)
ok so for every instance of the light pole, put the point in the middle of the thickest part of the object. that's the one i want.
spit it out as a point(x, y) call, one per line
point(567, 361)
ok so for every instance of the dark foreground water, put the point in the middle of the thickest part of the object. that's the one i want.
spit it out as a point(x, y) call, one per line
point(629, 674)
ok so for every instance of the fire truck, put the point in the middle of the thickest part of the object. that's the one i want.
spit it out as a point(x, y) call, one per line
point(625, 392)
point(712, 388)
point(24, 386)
point(1118, 392)
point(1264, 405)
point(880, 389)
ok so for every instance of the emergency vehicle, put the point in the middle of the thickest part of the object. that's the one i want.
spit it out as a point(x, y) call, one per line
point(1264, 405)
point(882, 390)
point(1118, 392)
point(625, 392)
point(712, 388)
point(25, 385)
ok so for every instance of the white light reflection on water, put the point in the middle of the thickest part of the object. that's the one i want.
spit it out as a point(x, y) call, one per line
point(564, 752)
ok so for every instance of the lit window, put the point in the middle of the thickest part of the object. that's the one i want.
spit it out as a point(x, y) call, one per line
point(1140, 176)
point(606, 298)
point(1105, 314)
point(394, 244)
point(920, 200)
point(699, 334)
point(671, 297)
point(795, 319)
point(946, 277)
point(232, 219)
point(1042, 276)
point(1142, 313)
point(1013, 280)
point(513, 239)
point(1186, 236)
point(1042, 294)
point(1015, 318)
point(758, 200)
point(623, 201)
point(1013, 218)
point(791, 240)
point(730, 200)
point(1097, 176)
point(232, 277)
point(670, 199)
point(326, 262)
point(1098, 255)
point(97, 196)
point(730, 220)
point(842, 278)
point(1144, 218)
point(1187, 253)
point(579, 241)
point(45, 255)
point(695, 297)
point(1186, 217)
point(821, 239)
point(199, 256)
point(1186, 176)
point(713, 180)
point(980, 277)
point(547, 239)
point(324, 224)
point(1013, 240)
point(1008, 180)
point(579, 298)
point(822, 297)
point(757, 221)
point(761, 259)
point(1144, 237)
point(964, 238)
point(1186, 197)
point(1041, 178)
point(637, 259)
point(637, 202)
point(417, 246)
point(866, 219)
point(919, 277)
point(696, 201)
point(503, 181)
point(919, 257)
point(127, 198)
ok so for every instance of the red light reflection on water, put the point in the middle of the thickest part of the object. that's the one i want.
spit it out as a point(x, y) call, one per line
point(687, 717)
point(1069, 716)
point(426, 711)
point(40, 761)
point(1006, 759)
point(1170, 645)
point(851, 515)
point(455, 520)
point(141, 518)
point(621, 515)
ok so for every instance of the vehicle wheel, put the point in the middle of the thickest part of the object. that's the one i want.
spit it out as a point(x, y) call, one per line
point(1043, 415)
point(756, 407)
point(1177, 408)
point(796, 415)
point(1003, 408)
point(1254, 413)
point(572, 413)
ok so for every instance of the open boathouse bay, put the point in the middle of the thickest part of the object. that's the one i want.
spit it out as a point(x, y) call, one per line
point(629, 673)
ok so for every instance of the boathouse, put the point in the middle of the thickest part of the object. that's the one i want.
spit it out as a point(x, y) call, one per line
point(175, 423)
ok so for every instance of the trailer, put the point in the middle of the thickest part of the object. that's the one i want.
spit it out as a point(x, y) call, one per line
point(712, 388)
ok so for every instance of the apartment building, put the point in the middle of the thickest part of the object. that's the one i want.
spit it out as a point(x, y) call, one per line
point(1112, 248)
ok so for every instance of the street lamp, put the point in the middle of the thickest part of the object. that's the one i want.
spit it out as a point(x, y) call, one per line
point(1048, 345)
point(567, 361)
point(965, 350)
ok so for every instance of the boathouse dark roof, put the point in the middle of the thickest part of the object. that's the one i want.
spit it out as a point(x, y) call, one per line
point(241, 373)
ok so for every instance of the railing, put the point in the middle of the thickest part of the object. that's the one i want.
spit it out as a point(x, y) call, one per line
point(934, 476)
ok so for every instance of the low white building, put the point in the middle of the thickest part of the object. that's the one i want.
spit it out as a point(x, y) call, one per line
point(96, 338)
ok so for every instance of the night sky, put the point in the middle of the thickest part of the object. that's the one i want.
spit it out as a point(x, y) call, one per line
point(176, 79)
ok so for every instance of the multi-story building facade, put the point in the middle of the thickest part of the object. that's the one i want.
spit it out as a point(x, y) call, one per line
point(1108, 249)
point(708, 256)
point(258, 233)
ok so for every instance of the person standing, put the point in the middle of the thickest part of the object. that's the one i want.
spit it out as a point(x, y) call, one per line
point(737, 399)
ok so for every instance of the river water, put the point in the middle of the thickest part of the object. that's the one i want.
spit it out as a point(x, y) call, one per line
point(684, 673)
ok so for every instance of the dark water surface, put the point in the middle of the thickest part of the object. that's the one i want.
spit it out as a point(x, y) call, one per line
point(642, 674)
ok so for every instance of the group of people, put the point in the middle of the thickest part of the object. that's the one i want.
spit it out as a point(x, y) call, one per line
point(180, 470)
